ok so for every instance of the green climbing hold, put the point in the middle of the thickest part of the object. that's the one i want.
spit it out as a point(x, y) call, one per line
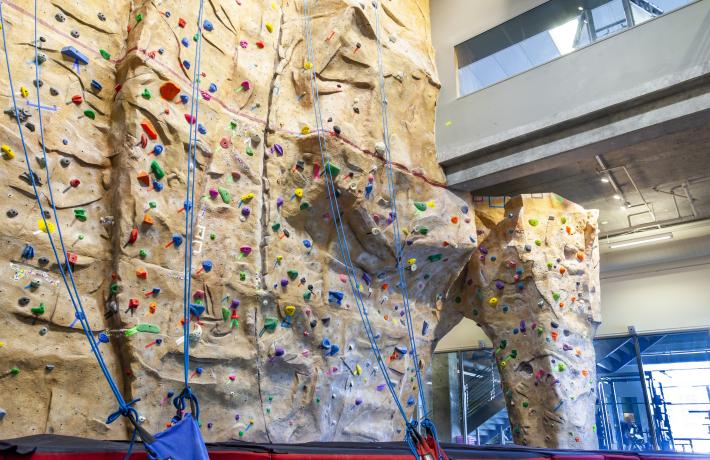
point(241, 433)
point(434, 257)
point(563, 220)
point(139, 17)
point(533, 222)
point(80, 214)
point(105, 54)
point(15, 370)
point(249, 151)
point(549, 265)
point(224, 193)
point(146, 94)
point(526, 404)
point(115, 288)
point(90, 114)
point(423, 230)
point(226, 314)
point(457, 299)
point(538, 243)
point(213, 236)
point(556, 295)
point(307, 295)
point(293, 274)
point(143, 253)
point(242, 276)
point(561, 367)
point(332, 169)
point(142, 327)
point(304, 205)
point(421, 206)
point(275, 227)
point(157, 169)
point(38, 310)
point(152, 204)
point(233, 124)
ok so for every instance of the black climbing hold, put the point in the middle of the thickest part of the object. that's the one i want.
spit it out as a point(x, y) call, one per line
point(325, 320)
point(43, 260)
point(38, 83)
point(59, 17)
point(314, 323)
point(30, 126)
point(74, 33)
point(53, 92)
point(336, 128)
point(65, 162)
point(11, 213)
point(23, 301)
point(101, 16)
point(255, 140)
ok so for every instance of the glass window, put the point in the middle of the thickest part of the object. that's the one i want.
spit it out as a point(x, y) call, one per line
point(546, 32)
point(445, 396)
point(677, 371)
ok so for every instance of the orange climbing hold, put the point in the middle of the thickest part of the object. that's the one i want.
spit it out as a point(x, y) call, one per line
point(455, 220)
point(149, 129)
point(144, 178)
point(580, 256)
point(148, 219)
point(169, 90)
point(142, 273)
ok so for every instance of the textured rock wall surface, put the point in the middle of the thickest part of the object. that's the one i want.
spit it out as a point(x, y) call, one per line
point(118, 124)
point(533, 285)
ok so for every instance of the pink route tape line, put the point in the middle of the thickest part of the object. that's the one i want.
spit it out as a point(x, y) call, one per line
point(229, 109)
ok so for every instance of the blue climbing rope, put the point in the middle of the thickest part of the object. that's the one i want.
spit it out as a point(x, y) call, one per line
point(342, 237)
point(189, 205)
point(399, 247)
point(124, 408)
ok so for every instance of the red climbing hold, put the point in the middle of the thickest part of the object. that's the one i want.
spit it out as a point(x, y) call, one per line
point(190, 119)
point(181, 22)
point(260, 44)
point(144, 178)
point(71, 257)
point(77, 99)
point(169, 90)
point(74, 182)
point(144, 140)
point(134, 236)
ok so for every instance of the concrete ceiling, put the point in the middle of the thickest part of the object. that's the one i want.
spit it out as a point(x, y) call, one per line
point(655, 165)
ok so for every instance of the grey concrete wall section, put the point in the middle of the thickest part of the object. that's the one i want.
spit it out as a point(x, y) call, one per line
point(648, 58)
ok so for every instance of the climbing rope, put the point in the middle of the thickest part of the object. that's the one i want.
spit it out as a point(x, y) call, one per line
point(342, 238)
point(125, 409)
point(189, 206)
point(399, 247)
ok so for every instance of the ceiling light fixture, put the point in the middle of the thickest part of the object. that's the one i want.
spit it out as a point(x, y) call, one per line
point(617, 197)
point(605, 179)
point(640, 241)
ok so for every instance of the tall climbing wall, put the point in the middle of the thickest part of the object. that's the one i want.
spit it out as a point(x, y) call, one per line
point(277, 350)
point(533, 286)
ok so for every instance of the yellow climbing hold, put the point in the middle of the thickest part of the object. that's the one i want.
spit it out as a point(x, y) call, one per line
point(307, 65)
point(412, 261)
point(24, 91)
point(269, 26)
point(493, 301)
point(43, 228)
point(289, 310)
point(247, 196)
point(7, 152)
point(358, 369)
point(298, 192)
point(306, 130)
point(431, 204)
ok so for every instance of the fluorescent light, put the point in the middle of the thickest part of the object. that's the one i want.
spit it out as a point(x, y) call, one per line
point(617, 197)
point(605, 179)
point(639, 241)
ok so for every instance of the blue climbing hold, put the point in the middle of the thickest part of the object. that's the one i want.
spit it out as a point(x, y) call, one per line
point(201, 128)
point(28, 252)
point(307, 244)
point(103, 338)
point(186, 64)
point(207, 265)
point(96, 85)
point(334, 349)
point(325, 343)
point(410, 400)
point(184, 98)
point(335, 297)
point(208, 25)
point(73, 54)
point(157, 186)
point(177, 240)
point(213, 88)
point(158, 149)
point(196, 309)
point(185, 42)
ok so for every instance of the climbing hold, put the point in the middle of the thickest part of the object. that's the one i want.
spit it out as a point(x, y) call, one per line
point(149, 129)
point(157, 169)
point(7, 152)
point(105, 54)
point(207, 25)
point(169, 90)
point(73, 54)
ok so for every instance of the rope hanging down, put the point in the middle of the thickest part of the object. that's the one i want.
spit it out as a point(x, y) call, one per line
point(124, 408)
point(426, 423)
point(189, 205)
point(412, 436)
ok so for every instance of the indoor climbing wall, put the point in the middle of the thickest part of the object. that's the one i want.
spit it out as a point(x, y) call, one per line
point(277, 348)
point(533, 286)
